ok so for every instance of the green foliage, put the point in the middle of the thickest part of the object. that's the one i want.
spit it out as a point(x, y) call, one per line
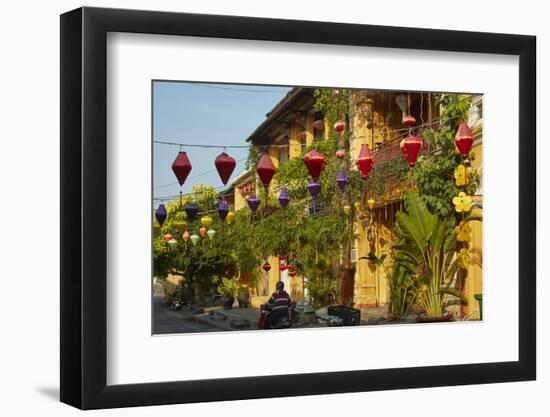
point(228, 254)
point(334, 106)
point(434, 172)
point(427, 247)
point(230, 287)
point(386, 174)
point(403, 290)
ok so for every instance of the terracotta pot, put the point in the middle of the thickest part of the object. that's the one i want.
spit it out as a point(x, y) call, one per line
point(441, 319)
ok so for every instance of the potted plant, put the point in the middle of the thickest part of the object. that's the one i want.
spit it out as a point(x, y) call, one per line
point(228, 290)
point(427, 248)
point(243, 297)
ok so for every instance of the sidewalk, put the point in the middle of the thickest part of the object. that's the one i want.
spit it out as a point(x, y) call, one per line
point(235, 319)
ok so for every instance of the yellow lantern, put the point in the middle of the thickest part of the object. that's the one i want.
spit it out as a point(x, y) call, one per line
point(370, 203)
point(358, 206)
point(230, 217)
point(180, 226)
point(347, 209)
point(206, 221)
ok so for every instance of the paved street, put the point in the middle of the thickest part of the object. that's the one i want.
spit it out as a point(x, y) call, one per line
point(167, 321)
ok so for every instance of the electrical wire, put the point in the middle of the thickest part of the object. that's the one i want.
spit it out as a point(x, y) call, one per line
point(194, 145)
point(246, 90)
point(202, 174)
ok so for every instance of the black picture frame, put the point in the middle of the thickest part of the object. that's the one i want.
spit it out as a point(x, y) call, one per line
point(84, 207)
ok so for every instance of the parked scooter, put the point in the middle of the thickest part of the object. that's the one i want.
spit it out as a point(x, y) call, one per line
point(283, 322)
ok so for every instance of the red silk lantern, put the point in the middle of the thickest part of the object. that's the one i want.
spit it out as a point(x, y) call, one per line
point(292, 271)
point(411, 147)
point(339, 126)
point(364, 161)
point(265, 169)
point(340, 154)
point(225, 166)
point(409, 121)
point(464, 139)
point(181, 167)
point(315, 162)
point(266, 266)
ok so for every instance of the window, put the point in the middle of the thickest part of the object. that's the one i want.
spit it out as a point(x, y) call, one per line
point(316, 207)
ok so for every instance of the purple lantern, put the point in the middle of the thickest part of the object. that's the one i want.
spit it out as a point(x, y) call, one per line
point(192, 210)
point(223, 209)
point(342, 180)
point(284, 198)
point(161, 214)
point(314, 187)
point(253, 202)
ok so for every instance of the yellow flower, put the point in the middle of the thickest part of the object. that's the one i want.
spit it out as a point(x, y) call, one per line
point(463, 258)
point(463, 231)
point(462, 202)
point(461, 175)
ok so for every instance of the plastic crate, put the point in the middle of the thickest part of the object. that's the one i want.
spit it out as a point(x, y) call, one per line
point(350, 316)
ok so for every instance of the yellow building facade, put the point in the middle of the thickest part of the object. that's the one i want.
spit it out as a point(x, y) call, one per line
point(374, 120)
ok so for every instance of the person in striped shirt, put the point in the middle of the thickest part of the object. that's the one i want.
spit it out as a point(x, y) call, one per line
point(278, 306)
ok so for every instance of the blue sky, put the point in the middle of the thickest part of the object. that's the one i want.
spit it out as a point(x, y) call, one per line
point(194, 113)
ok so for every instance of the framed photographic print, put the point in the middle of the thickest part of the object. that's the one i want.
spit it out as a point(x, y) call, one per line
point(335, 207)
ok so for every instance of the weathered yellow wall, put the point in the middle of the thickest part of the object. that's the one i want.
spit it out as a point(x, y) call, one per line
point(474, 279)
point(240, 202)
point(371, 284)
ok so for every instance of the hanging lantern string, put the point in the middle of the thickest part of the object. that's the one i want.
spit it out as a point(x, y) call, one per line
point(194, 176)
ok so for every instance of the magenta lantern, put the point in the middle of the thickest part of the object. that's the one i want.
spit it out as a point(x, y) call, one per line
point(181, 167)
point(265, 169)
point(225, 166)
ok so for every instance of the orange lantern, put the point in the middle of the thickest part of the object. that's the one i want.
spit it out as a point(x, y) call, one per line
point(202, 231)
